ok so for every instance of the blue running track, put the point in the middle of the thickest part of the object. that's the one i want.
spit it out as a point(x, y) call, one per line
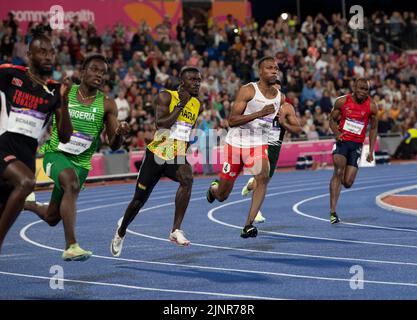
point(297, 254)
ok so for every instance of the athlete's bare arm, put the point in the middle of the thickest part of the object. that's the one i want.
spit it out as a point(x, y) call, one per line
point(283, 97)
point(245, 94)
point(115, 130)
point(63, 120)
point(165, 119)
point(288, 119)
point(373, 131)
point(335, 115)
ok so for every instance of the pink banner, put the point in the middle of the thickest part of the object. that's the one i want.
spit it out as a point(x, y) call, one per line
point(412, 57)
point(320, 150)
point(101, 13)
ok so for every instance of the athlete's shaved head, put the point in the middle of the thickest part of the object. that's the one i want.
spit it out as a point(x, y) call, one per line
point(266, 58)
point(41, 54)
point(186, 69)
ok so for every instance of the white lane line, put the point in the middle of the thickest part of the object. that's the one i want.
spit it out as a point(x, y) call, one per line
point(91, 195)
point(118, 285)
point(296, 209)
point(297, 276)
point(319, 257)
point(171, 203)
point(171, 195)
point(14, 255)
point(189, 266)
point(379, 202)
point(211, 217)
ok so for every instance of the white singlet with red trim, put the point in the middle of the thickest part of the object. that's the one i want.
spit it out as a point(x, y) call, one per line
point(256, 132)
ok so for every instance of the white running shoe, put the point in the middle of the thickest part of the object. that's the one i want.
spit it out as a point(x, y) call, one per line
point(116, 244)
point(179, 238)
point(245, 190)
point(259, 218)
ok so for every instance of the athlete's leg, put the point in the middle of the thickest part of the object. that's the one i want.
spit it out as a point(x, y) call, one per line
point(221, 189)
point(149, 175)
point(5, 191)
point(261, 168)
point(339, 164)
point(47, 212)
point(353, 158)
point(251, 184)
point(273, 156)
point(349, 176)
point(71, 187)
point(22, 180)
point(184, 174)
point(70, 181)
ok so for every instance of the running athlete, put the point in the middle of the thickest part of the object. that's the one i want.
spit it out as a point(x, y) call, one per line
point(27, 100)
point(354, 111)
point(68, 164)
point(251, 119)
point(285, 120)
point(176, 114)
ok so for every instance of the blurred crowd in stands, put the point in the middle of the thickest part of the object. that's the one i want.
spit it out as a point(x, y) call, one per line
point(318, 59)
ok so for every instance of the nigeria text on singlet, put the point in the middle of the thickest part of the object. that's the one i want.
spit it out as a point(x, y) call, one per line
point(87, 122)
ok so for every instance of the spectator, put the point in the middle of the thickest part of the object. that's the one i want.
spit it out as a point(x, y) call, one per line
point(123, 107)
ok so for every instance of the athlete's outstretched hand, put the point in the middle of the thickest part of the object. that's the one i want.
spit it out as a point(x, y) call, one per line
point(370, 157)
point(184, 96)
point(65, 89)
point(123, 128)
point(268, 109)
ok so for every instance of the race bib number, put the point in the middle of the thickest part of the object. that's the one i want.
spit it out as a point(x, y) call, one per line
point(353, 126)
point(226, 168)
point(264, 123)
point(27, 122)
point(181, 131)
point(78, 143)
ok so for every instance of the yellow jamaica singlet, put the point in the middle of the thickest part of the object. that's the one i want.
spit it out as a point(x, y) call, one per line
point(168, 144)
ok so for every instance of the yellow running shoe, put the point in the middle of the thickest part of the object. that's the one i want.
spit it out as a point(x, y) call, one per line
point(31, 197)
point(75, 253)
point(245, 190)
point(259, 218)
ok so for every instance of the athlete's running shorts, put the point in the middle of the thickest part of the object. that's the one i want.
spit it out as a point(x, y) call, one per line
point(14, 147)
point(238, 158)
point(350, 150)
point(53, 164)
point(153, 168)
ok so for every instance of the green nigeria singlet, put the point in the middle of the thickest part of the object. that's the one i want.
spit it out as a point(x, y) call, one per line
point(87, 122)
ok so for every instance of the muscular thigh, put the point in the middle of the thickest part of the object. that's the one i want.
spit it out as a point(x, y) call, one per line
point(354, 155)
point(149, 173)
point(182, 173)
